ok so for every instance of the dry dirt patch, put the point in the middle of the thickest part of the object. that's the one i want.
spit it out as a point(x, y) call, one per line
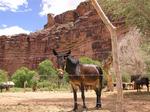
point(63, 102)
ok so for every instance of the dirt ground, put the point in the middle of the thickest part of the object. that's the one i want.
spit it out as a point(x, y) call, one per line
point(63, 101)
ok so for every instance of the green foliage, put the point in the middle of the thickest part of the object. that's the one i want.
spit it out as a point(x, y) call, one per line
point(52, 85)
point(135, 12)
point(87, 60)
point(125, 78)
point(146, 48)
point(46, 70)
point(147, 62)
point(3, 76)
point(66, 77)
point(22, 75)
point(43, 84)
point(16, 89)
point(49, 76)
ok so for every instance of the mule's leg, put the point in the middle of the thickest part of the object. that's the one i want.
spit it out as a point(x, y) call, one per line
point(147, 85)
point(83, 95)
point(75, 99)
point(138, 88)
point(99, 104)
point(98, 99)
point(98, 93)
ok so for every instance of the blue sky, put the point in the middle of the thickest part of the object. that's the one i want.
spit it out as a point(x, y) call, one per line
point(25, 16)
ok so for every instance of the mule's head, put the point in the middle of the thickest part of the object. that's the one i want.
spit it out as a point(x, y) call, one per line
point(61, 61)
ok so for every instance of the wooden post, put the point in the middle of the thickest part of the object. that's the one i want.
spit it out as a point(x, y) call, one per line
point(25, 85)
point(112, 30)
point(106, 67)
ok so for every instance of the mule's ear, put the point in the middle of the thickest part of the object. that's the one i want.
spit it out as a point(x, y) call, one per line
point(69, 52)
point(54, 52)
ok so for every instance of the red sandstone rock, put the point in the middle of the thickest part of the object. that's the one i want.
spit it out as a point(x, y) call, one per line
point(51, 21)
point(80, 30)
point(69, 16)
point(83, 8)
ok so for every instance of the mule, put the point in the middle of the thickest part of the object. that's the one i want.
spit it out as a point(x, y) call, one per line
point(6, 85)
point(81, 76)
point(139, 81)
point(134, 77)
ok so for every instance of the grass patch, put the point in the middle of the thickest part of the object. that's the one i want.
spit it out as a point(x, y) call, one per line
point(15, 89)
point(50, 87)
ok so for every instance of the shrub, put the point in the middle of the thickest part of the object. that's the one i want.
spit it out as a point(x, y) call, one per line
point(23, 75)
point(46, 70)
point(47, 85)
point(125, 77)
point(52, 86)
point(43, 84)
point(3, 76)
point(87, 60)
point(66, 77)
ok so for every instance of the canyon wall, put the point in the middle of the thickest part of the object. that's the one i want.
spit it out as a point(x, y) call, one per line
point(80, 30)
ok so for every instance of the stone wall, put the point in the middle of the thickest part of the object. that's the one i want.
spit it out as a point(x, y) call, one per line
point(79, 30)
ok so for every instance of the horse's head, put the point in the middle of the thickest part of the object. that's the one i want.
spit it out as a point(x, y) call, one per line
point(61, 61)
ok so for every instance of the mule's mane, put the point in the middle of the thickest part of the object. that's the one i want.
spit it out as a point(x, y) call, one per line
point(72, 60)
point(71, 65)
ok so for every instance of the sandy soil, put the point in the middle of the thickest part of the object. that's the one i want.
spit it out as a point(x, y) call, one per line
point(63, 102)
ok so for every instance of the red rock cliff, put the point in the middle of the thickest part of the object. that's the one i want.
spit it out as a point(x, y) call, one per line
point(80, 30)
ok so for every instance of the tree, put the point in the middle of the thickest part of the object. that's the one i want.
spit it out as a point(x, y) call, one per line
point(3, 76)
point(46, 70)
point(146, 56)
point(112, 30)
point(23, 75)
point(130, 53)
point(134, 12)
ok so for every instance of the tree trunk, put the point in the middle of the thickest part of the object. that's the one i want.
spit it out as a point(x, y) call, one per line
point(112, 29)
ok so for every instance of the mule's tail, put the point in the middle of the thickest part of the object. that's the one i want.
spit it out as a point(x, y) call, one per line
point(100, 76)
point(100, 73)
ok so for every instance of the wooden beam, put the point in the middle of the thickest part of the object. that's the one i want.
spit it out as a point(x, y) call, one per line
point(112, 30)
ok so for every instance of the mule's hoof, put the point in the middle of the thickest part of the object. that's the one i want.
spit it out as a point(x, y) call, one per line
point(84, 109)
point(98, 106)
point(75, 109)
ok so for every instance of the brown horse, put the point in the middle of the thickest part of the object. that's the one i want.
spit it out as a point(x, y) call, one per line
point(81, 76)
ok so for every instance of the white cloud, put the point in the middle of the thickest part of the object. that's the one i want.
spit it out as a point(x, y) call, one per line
point(4, 26)
point(13, 30)
point(13, 5)
point(58, 6)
